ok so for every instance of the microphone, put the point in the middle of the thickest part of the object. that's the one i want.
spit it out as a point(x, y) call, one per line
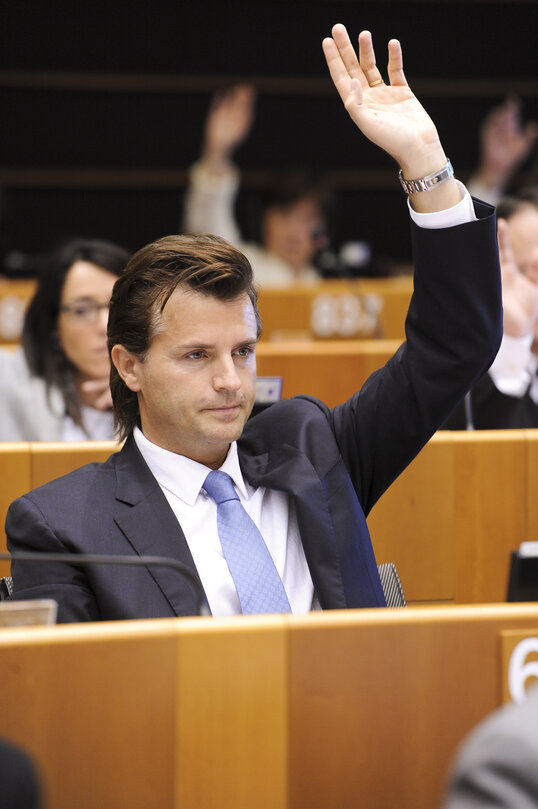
point(468, 407)
point(89, 559)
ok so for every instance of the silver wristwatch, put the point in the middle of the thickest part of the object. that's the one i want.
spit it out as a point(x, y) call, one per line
point(427, 183)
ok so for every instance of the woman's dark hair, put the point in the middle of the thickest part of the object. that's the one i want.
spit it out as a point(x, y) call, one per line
point(40, 341)
point(206, 264)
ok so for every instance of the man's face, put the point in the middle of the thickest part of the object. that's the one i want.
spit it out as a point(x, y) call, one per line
point(197, 382)
point(288, 232)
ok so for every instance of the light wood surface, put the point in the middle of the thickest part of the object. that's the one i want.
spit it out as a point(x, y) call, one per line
point(452, 518)
point(291, 312)
point(353, 708)
point(329, 370)
point(286, 311)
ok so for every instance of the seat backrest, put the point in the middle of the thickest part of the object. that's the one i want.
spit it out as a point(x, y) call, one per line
point(392, 586)
point(6, 587)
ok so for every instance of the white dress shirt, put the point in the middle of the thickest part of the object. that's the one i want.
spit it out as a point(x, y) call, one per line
point(181, 479)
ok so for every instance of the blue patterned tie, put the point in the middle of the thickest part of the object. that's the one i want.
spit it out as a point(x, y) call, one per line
point(255, 576)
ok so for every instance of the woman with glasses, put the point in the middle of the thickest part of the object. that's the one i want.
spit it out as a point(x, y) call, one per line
point(55, 387)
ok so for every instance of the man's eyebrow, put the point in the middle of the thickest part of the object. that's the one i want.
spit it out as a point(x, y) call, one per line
point(196, 345)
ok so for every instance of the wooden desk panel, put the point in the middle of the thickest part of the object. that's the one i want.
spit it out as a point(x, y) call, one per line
point(345, 709)
point(379, 706)
point(453, 517)
point(331, 371)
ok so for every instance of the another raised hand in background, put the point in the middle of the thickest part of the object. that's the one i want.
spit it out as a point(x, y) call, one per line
point(520, 290)
point(228, 122)
point(504, 144)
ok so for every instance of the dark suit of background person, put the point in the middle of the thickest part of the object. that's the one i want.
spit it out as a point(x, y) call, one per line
point(506, 397)
point(497, 765)
point(334, 464)
point(19, 787)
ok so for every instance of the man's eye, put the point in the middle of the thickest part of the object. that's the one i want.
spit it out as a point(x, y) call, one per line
point(245, 351)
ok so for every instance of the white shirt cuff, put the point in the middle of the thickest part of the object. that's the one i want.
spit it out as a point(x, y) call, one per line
point(510, 368)
point(459, 214)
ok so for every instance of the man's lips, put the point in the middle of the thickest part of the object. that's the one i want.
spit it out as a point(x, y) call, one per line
point(224, 408)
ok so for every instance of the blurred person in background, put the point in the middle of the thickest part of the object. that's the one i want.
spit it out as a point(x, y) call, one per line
point(55, 387)
point(505, 144)
point(507, 395)
point(294, 218)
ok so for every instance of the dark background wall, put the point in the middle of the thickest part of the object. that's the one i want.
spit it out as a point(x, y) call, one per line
point(103, 108)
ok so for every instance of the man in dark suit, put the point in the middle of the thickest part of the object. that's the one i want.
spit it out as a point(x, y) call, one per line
point(183, 328)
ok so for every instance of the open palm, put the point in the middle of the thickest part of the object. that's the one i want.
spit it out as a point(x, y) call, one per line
point(389, 115)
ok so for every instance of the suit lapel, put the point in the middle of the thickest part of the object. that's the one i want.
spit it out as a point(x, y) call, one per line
point(289, 470)
point(150, 526)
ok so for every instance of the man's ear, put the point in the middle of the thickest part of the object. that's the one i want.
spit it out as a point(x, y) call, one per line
point(127, 366)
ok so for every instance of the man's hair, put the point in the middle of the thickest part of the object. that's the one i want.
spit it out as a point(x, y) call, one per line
point(207, 264)
point(515, 202)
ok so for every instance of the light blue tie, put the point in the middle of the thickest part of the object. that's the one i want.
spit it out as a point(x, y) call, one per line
point(255, 576)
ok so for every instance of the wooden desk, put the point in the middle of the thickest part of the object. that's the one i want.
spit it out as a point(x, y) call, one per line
point(364, 308)
point(349, 709)
point(330, 370)
point(450, 521)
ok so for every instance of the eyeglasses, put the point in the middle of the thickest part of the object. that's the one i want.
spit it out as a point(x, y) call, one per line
point(86, 312)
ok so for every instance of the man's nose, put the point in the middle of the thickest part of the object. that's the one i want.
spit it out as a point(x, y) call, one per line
point(226, 376)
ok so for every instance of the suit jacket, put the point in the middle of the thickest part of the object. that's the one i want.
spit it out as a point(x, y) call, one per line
point(493, 410)
point(334, 463)
point(498, 764)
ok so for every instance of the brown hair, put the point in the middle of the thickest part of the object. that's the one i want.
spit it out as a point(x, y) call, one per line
point(207, 264)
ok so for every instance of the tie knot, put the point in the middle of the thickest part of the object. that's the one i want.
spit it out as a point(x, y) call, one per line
point(220, 487)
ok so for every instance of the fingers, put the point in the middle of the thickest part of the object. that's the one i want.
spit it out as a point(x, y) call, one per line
point(347, 52)
point(395, 66)
point(367, 59)
point(339, 72)
point(343, 62)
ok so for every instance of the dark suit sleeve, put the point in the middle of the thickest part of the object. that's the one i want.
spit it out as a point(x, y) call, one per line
point(453, 332)
point(493, 410)
point(27, 530)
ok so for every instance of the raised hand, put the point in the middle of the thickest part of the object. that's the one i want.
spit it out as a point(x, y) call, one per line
point(504, 143)
point(519, 291)
point(389, 115)
point(228, 122)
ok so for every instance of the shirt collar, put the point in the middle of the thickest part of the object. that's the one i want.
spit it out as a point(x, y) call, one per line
point(182, 476)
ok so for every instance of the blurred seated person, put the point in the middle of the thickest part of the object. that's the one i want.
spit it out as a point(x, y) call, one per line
point(506, 396)
point(19, 781)
point(496, 766)
point(55, 387)
point(293, 220)
point(505, 143)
